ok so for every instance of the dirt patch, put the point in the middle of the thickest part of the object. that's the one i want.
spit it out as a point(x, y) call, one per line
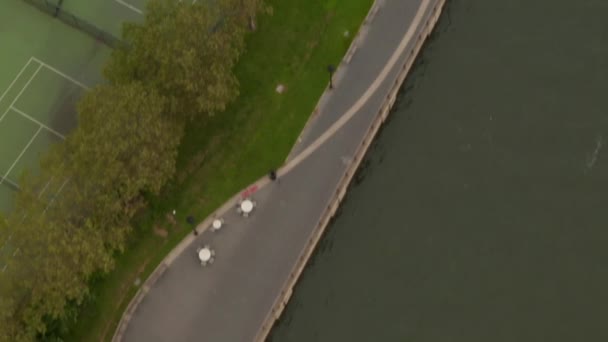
point(160, 231)
point(171, 219)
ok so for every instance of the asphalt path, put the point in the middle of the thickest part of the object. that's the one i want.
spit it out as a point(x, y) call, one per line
point(229, 300)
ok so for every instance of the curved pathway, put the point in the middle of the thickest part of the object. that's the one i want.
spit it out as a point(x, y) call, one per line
point(230, 300)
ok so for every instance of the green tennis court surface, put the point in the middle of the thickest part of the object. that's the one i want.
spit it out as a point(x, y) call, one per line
point(46, 67)
point(108, 15)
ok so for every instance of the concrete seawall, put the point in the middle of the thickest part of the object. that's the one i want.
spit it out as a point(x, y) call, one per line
point(424, 31)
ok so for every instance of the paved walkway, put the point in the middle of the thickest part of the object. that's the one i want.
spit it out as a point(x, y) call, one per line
point(229, 300)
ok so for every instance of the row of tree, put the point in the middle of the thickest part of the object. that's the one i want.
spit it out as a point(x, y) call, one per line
point(73, 214)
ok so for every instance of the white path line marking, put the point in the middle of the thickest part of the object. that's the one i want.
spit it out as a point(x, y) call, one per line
point(129, 6)
point(364, 98)
point(59, 72)
point(38, 122)
point(21, 155)
point(16, 78)
point(21, 92)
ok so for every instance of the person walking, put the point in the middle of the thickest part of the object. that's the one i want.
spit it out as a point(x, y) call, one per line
point(190, 220)
point(272, 174)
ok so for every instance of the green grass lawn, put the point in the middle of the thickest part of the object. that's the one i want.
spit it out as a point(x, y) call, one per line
point(218, 158)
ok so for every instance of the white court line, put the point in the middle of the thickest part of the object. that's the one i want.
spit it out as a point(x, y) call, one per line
point(12, 183)
point(21, 92)
point(82, 85)
point(45, 186)
point(38, 122)
point(55, 196)
point(16, 78)
point(60, 189)
point(3, 247)
point(20, 155)
point(129, 6)
point(6, 242)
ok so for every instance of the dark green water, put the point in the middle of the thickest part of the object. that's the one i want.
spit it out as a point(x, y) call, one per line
point(482, 214)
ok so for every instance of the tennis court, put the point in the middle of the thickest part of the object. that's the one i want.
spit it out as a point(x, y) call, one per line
point(46, 67)
point(108, 15)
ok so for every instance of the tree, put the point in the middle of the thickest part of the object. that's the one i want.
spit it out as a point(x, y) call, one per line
point(53, 258)
point(7, 301)
point(186, 52)
point(123, 147)
point(71, 216)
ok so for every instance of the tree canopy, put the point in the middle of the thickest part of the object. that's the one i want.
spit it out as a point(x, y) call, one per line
point(186, 52)
point(54, 254)
point(75, 211)
point(124, 147)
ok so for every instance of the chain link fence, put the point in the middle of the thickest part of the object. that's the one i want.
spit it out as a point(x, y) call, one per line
point(55, 9)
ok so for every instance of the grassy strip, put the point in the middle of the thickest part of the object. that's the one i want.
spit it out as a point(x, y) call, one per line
point(219, 158)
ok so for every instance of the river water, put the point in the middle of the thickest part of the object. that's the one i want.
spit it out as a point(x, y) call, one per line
point(482, 211)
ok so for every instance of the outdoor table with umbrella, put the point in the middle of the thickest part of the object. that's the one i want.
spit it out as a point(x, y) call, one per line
point(246, 207)
point(205, 255)
point(217, 224)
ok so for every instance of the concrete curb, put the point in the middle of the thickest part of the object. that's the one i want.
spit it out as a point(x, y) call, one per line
point(344, 183)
